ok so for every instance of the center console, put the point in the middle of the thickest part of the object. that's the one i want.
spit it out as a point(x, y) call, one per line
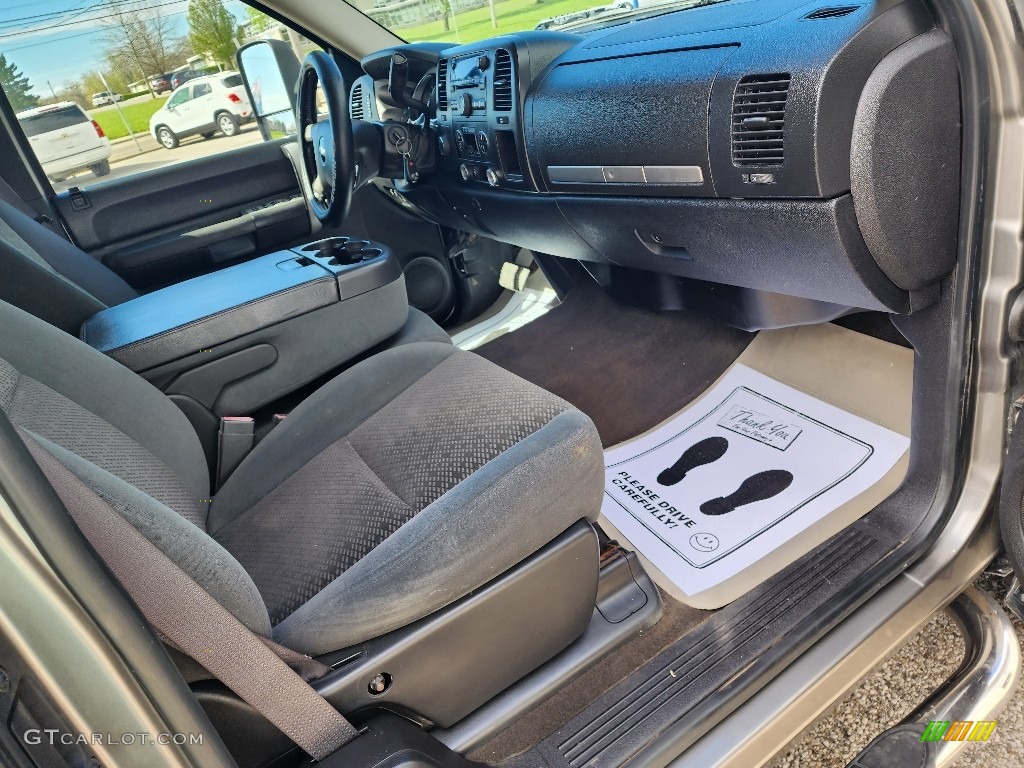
point(228, 342)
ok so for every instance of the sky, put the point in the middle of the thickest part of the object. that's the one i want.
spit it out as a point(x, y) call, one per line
point(60, 40)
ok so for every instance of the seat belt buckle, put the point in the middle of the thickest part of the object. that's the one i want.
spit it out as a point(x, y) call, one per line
point(235, 439)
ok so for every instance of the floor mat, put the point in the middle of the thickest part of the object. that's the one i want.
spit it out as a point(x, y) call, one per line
point(626, 368)
point(753, 467)
point(803, 435)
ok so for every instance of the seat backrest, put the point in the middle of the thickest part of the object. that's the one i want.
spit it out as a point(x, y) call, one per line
point(47, 276)
point(129, 443)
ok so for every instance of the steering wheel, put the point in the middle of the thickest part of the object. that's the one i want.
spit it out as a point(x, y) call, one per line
point(326, 145)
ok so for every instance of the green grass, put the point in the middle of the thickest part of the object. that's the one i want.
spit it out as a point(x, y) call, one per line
point(137, 116)
point(512, 15)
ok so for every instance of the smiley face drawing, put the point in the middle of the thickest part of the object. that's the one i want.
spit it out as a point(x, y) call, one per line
point(704, 542)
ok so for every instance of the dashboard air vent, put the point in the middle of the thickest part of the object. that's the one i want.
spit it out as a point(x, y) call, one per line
point(442, 85)
point(758, 120)
point(502, 81)
point(356, 106)
point(831, 13)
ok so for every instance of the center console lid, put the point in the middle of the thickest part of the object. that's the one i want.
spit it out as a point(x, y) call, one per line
point(201, 313)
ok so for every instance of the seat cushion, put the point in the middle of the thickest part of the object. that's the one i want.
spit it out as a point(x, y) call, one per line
point(403, 484)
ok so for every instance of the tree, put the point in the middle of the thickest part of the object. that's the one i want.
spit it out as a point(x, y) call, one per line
point(92, 83)
point(73, 91)
point(142, 36)
point(121, 72)
point(211, 28)
point(444, 7)
point(17, 86)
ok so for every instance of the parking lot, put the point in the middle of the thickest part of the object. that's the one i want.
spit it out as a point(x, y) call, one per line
point(144, 154)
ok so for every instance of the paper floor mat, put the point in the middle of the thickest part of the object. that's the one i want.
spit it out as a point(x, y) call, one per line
point(802, 435)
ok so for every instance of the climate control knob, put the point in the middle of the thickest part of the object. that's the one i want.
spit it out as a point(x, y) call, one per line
point(466, 105)
point(493, 177)
point(465, 172)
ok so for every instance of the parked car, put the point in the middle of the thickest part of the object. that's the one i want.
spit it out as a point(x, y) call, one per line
point(180, 78)
point(66, 140)
point(202, 106)
point(160, 83)
point(105, 97)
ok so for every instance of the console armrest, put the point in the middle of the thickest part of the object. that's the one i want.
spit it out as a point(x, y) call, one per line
point(206, 311)
point(228, 342)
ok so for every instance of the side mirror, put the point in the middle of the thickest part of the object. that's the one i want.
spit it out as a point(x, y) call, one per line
point(270, 72)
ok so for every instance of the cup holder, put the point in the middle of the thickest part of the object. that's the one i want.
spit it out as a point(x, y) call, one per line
point(342, 251)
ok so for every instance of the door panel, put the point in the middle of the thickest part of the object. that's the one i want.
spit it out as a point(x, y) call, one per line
point(172, 223)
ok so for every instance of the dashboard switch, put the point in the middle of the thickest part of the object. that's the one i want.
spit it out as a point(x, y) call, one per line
point(465, 105)
point(465, 172)
point(493, 177)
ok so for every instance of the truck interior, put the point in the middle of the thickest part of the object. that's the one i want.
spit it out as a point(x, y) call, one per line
point(359, 386)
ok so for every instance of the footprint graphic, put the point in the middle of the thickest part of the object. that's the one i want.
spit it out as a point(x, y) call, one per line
point(697, 455)
point(759, 487)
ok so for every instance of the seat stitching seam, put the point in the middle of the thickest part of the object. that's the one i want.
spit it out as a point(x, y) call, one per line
point(381, 480)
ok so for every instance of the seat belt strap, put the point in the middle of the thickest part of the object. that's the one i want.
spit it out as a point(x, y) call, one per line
point(186, 615)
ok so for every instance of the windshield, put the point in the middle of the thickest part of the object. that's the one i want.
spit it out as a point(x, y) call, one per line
point(465, 21)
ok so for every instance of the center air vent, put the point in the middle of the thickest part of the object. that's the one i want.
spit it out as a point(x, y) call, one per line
point(356, 106)
point(442, 85)
point(832, 13)
point(502, 81)
point(759, 119)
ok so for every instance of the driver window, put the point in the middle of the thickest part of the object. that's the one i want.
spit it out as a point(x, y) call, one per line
point(125, 86)
point(179, 98)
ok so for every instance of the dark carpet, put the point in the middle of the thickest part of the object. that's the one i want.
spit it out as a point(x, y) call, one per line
point(626, 368)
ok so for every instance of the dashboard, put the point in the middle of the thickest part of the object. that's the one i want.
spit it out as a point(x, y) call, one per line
point(788, 148)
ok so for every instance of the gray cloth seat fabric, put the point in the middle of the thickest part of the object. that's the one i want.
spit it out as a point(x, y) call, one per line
point(402, 485)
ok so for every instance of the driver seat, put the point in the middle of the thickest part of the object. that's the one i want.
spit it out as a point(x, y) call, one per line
point(402, 485)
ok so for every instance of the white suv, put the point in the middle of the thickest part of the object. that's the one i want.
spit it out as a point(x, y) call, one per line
point(65, 140)
point(105, 97)
point(202, 106)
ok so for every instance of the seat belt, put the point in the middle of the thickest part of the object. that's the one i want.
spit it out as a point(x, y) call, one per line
point(184, 613)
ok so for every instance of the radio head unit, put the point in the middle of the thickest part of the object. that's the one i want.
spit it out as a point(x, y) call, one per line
point(468, 71)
